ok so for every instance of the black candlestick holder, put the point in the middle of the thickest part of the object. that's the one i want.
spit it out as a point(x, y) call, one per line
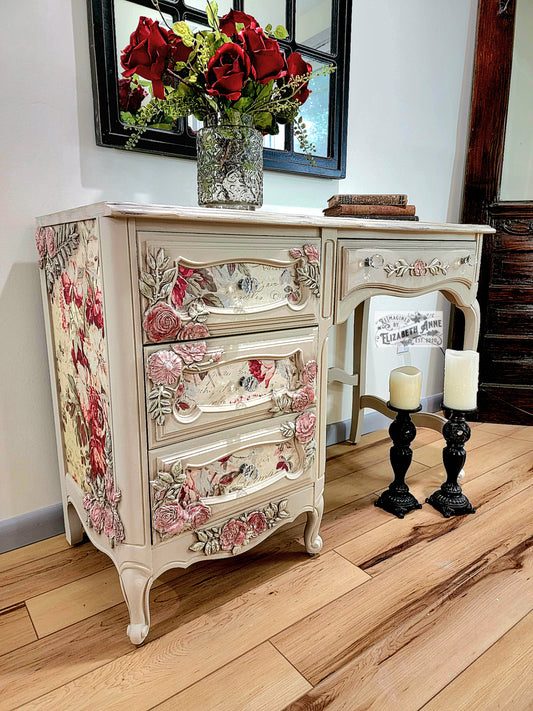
point(397, 499)
point(449, 499)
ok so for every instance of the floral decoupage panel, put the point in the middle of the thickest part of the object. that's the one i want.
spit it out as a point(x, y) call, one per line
point(69, 256)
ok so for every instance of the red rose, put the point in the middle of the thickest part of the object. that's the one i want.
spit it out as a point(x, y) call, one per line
point(178, 51)
point(147, 54)
point(170, 518)
point(93, 308)
point(194, 330)
point(232, 534)
point(265, 55)
point(198, 515)
point(161, 322)
point(97, 457)
point(97, 517)
point(95, 412)
point(180, 287)
point(303, 397)
point(257, 522)
point(298, 67)
point(255, 367)
point(227, 72)
point(228, 22)
point(130, 96)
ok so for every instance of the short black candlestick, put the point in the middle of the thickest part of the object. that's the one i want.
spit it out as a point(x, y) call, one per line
point(449, 499)
point(397, 499)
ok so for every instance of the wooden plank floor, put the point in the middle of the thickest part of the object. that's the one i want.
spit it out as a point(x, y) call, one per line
point(420, 613)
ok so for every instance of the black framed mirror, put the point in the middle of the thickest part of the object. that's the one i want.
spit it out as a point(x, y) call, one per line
point(318, 29)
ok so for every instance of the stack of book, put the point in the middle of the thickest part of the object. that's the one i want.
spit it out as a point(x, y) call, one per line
point(371, 207)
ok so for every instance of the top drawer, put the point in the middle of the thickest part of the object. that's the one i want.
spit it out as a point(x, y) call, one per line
point(197, 285)
point(399, 266)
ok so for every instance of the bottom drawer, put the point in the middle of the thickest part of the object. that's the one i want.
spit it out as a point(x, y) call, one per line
point(236, 532)
point(197, 482)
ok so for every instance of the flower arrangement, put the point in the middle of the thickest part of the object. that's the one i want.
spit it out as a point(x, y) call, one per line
point(234, 69)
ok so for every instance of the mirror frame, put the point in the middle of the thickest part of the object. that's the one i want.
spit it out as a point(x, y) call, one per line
point(110, 131)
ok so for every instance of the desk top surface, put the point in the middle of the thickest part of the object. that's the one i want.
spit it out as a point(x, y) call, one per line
point(175, 212)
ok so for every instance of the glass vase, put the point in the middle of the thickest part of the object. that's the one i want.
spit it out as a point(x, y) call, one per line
point(230, 163)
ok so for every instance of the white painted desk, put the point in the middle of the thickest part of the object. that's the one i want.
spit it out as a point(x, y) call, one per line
point(188, 355)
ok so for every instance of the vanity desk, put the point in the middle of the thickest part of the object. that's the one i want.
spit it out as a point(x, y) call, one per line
point(188, 357)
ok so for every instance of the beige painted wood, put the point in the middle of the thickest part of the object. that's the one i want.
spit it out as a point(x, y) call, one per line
point(501, 678)
point(200, 237)
point(259, 217)
point(260, 679)
point(152, 673)
point(335, 635)
point(16, 629)
point(387, 545)
point(411, 663)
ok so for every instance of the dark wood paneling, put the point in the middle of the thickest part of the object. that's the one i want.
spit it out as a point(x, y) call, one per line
point(506, 276)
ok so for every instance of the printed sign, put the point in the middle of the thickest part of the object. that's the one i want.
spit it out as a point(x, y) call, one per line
point(405, 329)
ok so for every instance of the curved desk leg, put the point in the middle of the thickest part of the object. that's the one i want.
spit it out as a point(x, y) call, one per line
point(472, 324)
point(360, 337)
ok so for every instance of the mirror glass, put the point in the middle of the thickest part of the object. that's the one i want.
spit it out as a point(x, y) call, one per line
point(224, 6)
point(517, 171)
point(313, 24)
point(272, 13)
point(315, 111)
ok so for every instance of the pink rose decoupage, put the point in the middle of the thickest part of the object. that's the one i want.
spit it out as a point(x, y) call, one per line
point(180, 297)
point(70, 256)
point(186, 494)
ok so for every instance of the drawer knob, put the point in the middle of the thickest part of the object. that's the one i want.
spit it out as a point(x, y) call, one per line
point(375, 261)
point(249, 285)
point(466, 260)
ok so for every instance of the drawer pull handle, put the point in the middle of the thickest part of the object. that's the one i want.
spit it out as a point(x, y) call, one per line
point(419, 268)
point(466, 260)
point(375, 261)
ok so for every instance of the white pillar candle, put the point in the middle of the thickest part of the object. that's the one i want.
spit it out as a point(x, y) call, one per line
point(461, 371)
point(405, 384)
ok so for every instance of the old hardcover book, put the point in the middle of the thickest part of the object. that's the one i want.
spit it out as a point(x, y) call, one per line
point(393, 199)
point(411, 218)
point(370, 210)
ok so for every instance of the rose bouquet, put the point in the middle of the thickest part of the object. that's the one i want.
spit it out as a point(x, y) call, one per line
point(232, 70)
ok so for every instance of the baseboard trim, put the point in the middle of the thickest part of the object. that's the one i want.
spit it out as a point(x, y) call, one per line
point(31, 527)
point(340, 431)
point(44, 523)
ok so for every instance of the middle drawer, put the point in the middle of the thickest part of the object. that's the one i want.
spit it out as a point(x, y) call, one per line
point(195, 388)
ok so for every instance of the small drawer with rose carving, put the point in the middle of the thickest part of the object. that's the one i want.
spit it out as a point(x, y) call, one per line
point(190, 288)
point(404, 267)
point(199, 387)
point(203, 480)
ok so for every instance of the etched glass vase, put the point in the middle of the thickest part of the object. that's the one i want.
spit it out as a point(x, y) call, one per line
point(230, 163)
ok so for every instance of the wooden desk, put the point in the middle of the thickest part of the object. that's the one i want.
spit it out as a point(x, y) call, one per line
point(188, 356)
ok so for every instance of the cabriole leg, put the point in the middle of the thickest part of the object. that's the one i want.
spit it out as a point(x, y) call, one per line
point(313, 542)
point(136, 583)
point(73, 526)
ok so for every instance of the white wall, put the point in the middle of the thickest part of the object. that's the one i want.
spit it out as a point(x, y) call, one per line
point(408, 104)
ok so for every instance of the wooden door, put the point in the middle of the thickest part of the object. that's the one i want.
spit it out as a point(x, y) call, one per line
point(506, 279)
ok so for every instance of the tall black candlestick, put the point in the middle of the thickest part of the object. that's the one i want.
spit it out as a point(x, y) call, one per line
point(449, 499)
point(397, 499)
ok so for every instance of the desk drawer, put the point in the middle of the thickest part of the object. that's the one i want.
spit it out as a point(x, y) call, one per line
point(198, 387)
point(196, 285)
point(203, 480)
point(399, 268)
